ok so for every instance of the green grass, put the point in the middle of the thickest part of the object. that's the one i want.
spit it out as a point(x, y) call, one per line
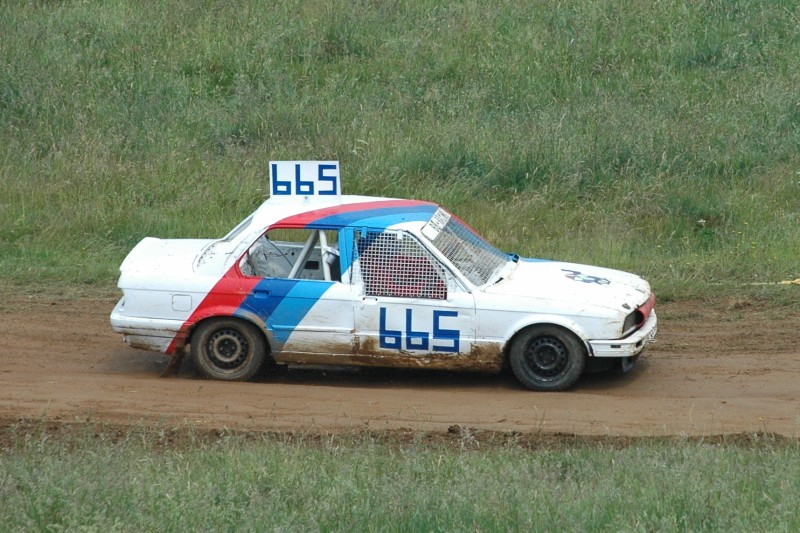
point(98, 478)
point(661, 137)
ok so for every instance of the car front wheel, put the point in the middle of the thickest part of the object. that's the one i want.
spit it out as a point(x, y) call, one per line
point(228, 349)
point(547, 358)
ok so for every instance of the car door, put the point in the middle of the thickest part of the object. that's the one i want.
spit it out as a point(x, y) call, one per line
point(412, 311)
point(306, 308)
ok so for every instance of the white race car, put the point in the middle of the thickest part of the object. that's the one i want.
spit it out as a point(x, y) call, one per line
point(354, 280)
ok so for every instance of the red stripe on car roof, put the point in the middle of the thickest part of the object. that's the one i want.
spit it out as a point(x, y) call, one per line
point(303, 219)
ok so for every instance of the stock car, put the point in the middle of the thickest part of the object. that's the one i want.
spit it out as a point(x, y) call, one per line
point(355, 280)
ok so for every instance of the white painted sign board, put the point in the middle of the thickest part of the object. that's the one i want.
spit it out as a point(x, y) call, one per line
point(304, 180)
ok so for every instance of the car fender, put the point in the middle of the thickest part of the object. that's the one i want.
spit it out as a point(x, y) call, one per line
point(540, 319)
point(220, 311)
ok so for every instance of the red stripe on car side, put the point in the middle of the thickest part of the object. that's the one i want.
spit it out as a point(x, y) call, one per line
point(228, 293)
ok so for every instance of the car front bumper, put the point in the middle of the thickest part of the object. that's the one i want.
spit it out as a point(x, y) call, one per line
point(629, 346)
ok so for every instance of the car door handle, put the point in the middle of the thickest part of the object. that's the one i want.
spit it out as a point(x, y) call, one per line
point(261, 293)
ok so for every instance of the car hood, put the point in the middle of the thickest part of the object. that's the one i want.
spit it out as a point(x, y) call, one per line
point(573, 283)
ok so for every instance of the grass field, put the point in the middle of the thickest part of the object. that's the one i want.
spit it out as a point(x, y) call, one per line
point(658, 137)
point(661, 137)
point(103, 479)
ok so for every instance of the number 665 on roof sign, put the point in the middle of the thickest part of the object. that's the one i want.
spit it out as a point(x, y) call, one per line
point(304, 179)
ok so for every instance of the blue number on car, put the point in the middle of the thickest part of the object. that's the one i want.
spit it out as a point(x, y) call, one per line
point(420, 340)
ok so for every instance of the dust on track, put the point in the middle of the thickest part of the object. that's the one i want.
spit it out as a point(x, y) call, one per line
point(718, 368)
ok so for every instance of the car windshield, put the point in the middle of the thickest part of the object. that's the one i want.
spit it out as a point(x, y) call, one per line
point(478, 261)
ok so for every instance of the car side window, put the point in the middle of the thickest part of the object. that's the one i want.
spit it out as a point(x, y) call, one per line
point(393, 263)
point(294, 254)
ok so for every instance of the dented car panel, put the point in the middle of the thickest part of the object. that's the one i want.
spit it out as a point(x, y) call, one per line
point(385, 282)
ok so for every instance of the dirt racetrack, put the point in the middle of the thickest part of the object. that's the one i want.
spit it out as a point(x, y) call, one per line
point(717, 368)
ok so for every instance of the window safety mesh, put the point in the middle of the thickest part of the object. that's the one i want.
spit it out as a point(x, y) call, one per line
point(394, 264)
point(473, 256)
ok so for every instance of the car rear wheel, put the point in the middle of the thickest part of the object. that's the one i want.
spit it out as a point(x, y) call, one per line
point(228, 349)
point(547, 358)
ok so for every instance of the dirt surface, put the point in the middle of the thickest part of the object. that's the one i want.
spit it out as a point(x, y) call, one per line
point(717, 368)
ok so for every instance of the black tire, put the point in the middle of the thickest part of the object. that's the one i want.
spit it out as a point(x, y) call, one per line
point(228, 349)
point(547, 358)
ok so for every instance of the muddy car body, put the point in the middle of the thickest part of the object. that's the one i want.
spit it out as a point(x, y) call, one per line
point(378, 282)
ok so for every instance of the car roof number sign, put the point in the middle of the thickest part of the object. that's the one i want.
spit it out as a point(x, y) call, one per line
point(294, 181)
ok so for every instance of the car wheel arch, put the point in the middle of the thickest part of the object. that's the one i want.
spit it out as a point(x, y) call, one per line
point(255, 321)
point(566, 325)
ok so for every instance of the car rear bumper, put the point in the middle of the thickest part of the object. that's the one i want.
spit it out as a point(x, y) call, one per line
point(629, 346)
point(144, 333)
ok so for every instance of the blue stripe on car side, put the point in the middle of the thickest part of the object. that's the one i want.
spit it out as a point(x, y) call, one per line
point(291, 311)
point(283, 303)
